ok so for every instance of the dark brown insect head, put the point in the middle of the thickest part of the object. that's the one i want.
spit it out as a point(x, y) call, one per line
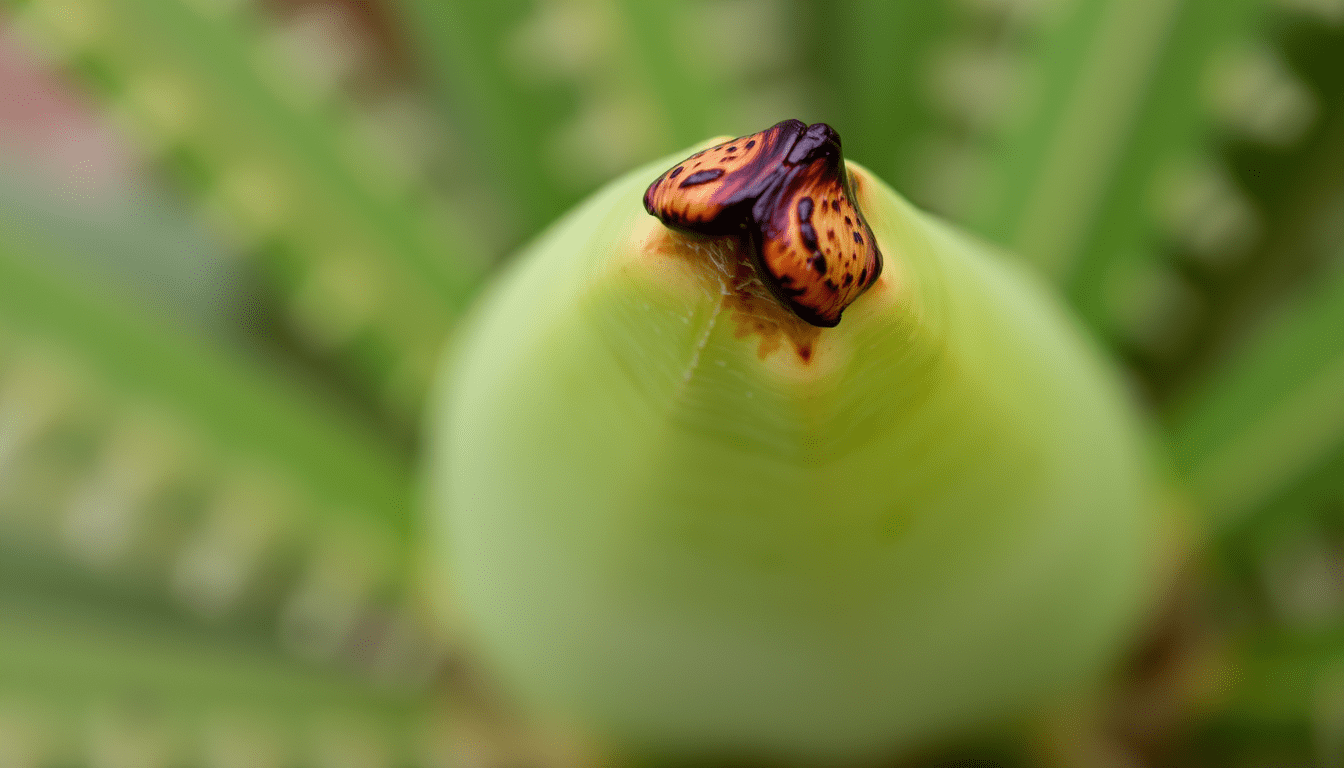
point(786, 190)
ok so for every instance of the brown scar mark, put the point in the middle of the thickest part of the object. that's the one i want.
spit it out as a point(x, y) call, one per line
point(857, 180)
point(727, 268)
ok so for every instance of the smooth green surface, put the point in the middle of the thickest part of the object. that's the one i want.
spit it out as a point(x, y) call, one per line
point(648, 523)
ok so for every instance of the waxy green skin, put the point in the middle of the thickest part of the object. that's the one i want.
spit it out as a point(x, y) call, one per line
point(942, 518)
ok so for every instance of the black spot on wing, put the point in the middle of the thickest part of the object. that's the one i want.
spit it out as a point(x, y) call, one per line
point(701, 177)
point(809, 235)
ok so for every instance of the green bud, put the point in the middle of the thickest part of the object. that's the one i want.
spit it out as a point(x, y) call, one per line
point(666, 507)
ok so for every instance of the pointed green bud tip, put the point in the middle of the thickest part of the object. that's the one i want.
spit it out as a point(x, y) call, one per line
point(671, 505)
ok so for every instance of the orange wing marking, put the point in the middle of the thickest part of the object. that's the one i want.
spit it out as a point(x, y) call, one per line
point(786, 191)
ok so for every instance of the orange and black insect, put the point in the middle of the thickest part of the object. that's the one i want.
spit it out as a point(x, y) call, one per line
point(786, 190)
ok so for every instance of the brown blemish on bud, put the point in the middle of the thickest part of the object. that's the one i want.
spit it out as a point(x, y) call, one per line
point(725, 264)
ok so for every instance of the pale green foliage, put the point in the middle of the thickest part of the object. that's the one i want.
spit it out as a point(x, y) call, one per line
point(1175, 167)
point(765, 553)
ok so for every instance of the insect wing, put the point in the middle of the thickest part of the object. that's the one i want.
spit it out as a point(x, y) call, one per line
point(815, 247)
point(696, 193)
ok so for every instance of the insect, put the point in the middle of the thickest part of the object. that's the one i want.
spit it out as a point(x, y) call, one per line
point(786, 190)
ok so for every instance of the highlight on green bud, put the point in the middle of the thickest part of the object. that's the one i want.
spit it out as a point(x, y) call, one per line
point(668, 508)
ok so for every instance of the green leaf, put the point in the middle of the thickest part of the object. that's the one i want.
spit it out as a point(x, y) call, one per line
point(137, 450)
point(373, 265)
point(1270, 415)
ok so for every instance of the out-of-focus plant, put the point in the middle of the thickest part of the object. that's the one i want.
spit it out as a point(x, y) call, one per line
point(781, 539)
point(209, 553)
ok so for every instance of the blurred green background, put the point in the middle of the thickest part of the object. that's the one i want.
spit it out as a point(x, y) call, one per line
point(235, 233)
